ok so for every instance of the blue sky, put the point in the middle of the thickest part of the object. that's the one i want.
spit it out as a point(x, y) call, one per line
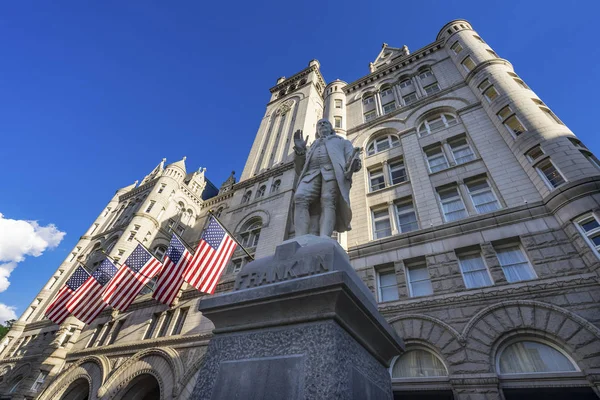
point(94, 95)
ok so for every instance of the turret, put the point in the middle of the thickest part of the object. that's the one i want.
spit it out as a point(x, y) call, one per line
point(548, 150)
point(335, 106)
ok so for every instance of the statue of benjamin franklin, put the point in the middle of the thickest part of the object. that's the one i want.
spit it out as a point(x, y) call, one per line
point(322, 199)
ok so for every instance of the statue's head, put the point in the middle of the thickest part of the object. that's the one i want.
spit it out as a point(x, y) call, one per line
point(324, 128)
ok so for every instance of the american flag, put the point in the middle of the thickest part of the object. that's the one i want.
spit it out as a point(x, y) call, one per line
point(131, 278)
point(213, 253)
point(57, 311)
point(168, 284)
point(87, 301)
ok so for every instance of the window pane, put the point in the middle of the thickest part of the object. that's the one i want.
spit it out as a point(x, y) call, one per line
point(456, 48)
point(387, 279)
point(504, 113)
point(490, 93)
point(589, 225)
point(554, 177)
point(514, 264)
point(514, 125)
point(410, 98)
point(533, 357)
point(397, 173)
point(421, 288)
point(407, 222)
point(474, 271)
point(418, 364)
point(377, 180)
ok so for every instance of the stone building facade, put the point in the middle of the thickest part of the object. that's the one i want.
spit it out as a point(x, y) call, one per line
point(476, 226)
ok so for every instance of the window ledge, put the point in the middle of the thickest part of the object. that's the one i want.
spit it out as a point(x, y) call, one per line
point(389, 187)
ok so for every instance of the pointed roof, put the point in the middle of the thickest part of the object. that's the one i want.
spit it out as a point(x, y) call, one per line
point(157, 170)
point(386, 55)
point(180, 164)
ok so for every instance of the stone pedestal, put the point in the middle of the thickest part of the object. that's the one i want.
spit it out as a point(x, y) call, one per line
point(299, 325)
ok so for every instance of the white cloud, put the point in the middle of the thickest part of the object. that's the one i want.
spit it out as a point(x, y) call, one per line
point(7, 313)
point(18, 239)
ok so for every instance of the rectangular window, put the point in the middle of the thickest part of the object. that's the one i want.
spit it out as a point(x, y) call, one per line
point(514, 264)
point(551, 115)
point(490, 93)
point(591, 158)
point(431, 89)
point(436, 159)
point(590, 229)
point(474, 270)
point(419, 283)
point(406, 216)
point(338, 103)
point(387, 285)
point(115, 333)
point(105, 333)
point(381, 224)
point(376, 179)
point(95, 335)
point(180, 321)
point(456, 47)
point(452, 204)
point(461, 151)
point(371, 115)
point(389, 107)
point(510, 121)
point(39, 381)
point(397, 172)
point(534, 153)
point(478, 38)
point(468, 64)
point(152, 327)
point(405, 83)
point(483, 85)
point(482, 196)
point(337, 122)
point(162, 187)
point(165, 325)
point(368, 100)
point(577, 143)
point(550, 174)
point(149, 208)
point(410, 98)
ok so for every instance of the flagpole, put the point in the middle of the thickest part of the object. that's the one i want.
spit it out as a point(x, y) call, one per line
point(230, 234)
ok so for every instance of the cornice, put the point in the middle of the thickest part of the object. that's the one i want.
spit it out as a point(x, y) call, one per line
point(201, 339)
point(400, 63)
point(297, 77)
point(263, 176)
point(136, 191)
point(218, 198)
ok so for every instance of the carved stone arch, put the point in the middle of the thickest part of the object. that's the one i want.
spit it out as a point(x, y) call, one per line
point(262, 214)
point(448, 105)
point(371, 89)
point(434, 333)
point(164, 363)
point(123, 387)
point(94, 369)
point(188, 380)
point(387, 81)
point(491, 326)
point(368, 136)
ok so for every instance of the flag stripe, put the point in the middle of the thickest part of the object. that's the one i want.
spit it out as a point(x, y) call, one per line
point(212, 285)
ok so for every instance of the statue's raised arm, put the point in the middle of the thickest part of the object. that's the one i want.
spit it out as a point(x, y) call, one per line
point(322, 199)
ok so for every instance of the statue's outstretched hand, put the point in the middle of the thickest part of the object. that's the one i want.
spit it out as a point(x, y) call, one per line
point(300, 142)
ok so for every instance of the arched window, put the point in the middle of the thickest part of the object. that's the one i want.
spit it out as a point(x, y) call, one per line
point(275, 186)
point(261, 191)
point(418, 363)
point(303, 81)
point(526, 357)
point(382, 143)
point(247, 196)
point(436, 122)
point(250, 233)
point(159, 252)
point(190, 217)
point(218, 212)
point(14, 384)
